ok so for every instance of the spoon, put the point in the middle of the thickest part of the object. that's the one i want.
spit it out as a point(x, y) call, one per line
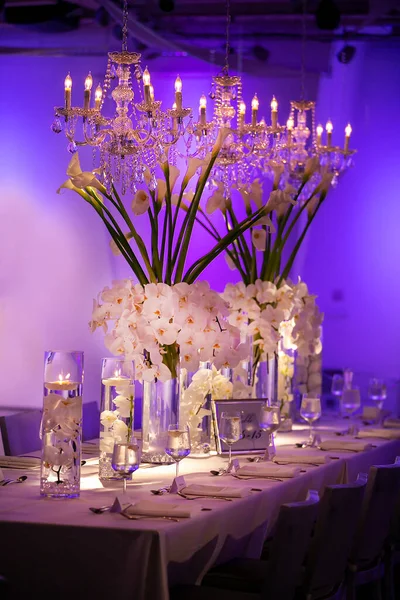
point(218, 473)
point(204, 497)
point(9, 481)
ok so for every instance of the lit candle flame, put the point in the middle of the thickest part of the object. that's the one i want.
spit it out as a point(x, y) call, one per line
point(242, 108)
point(89, 82)
point(61, 378)
point(117, 373)
point(348, 130)
point(68, 82)
point(289, 124)
point(329, 126)
point(203, 101)
point(178, 84)
point(255, 103)
point(274, 104)
point(146, 77)
point(320, 130)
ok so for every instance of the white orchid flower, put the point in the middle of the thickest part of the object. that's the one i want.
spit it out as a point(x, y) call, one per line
point(279, 201)
point(120, 431)
point(107, 418)
point(277, 169)
point(161, 190)
point(230, 262)
point(259, 239)
point(113, 245)
point(80, 179)
point(157, 371)
point(124, 406)
point(223, 134)
point(216, 200)
point(165, 332)
point(189, 358)
point(311, 166)
point(140, 203)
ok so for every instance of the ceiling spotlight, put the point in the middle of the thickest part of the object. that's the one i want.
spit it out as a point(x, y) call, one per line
point(346, 54)
point(327, 15)
point(260, 53)
point(166, 5)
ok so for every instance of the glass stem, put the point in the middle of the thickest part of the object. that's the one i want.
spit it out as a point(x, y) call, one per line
point(311, 432)
point(124, 485)
point(177, 469)
point(230, 454)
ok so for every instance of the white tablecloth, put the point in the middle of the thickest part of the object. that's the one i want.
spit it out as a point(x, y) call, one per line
point(58, 548)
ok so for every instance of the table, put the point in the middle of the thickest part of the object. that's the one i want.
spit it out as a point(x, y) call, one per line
point(57, 548)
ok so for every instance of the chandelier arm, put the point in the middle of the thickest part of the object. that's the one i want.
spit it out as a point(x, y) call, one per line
point(98, 137)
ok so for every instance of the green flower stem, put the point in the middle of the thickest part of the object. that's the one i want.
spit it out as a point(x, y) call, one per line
point(154, 245)
point(241, 239)
point(293, 255)
point(191, 220)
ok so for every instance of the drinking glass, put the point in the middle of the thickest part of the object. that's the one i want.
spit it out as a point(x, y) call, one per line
point(310, 410)
point(126, 459)
point(269, 421)
point(337, 385)
point(350, 401)
point(377, 392)
point(230, 429)
point(178, 444)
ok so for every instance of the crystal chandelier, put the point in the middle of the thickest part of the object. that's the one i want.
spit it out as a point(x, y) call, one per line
point(303, 141)
point(248, 145)
point(139, 135)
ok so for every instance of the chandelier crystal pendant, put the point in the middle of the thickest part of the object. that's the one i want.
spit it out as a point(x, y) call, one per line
point(139, 134)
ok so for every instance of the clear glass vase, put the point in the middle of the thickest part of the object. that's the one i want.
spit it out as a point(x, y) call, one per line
point(61, 426)
point(116, 410)
point(160, 408)
point(259, 378)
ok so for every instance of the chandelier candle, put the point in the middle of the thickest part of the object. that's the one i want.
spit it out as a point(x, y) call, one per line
point(68, 90)
point(329, 129)
point(178, 93)
point(320, 131)
point(146, 86)
point(98, 95)
point(61, 425)
point(88, 90)
point(274, 113)
point(202, 109)
point(242, 114)
point(254, 110)
point(289, 128)
point(347, 132)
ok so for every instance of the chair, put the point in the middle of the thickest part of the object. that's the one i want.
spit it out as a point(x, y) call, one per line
point(19, 430)
point(326, 560)
point(365, 563)
point(250, 578)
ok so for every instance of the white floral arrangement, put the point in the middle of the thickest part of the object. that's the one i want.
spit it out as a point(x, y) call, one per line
point(158, 325)
point(118, 423)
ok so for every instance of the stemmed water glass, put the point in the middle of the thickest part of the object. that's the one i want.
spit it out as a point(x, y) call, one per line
point(310, 410)
point(126, 459)
point(269, 421)
point(337, 385)
point(377, 392)
point(230, 429)
point(350, 401)
point(178, 444)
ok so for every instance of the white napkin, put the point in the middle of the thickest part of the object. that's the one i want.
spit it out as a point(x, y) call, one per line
point(214, 490)
point(301, 459)
point(392, 423)
point(268, 470)
point(352, 445)
point(19, 462)
point(377, 432)
point(162, 509)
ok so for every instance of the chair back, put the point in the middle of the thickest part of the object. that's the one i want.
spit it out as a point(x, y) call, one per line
point(246, 545)
point(330, 546)
point(288, 548)
point(378, 508)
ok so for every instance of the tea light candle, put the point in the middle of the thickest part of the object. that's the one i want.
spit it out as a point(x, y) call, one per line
point(116, 380)
point(65, 385)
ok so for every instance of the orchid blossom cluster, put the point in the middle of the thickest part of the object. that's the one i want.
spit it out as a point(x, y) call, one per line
point(258, 253)
point(156, 325)
point(302, 331)
point(117, 424)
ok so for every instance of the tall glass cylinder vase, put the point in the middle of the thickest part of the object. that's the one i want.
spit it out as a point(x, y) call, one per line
point(287, 387)
point(262, 378)
point(160, 409)
point(61, 426)
point(116, 410)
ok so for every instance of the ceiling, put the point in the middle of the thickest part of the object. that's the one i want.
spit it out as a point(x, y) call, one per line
point(197, 27)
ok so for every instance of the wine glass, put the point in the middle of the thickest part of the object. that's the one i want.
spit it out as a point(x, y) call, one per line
point(178, 444)
point(270, 420)
point(310, 410)
point(377, 392)
point(337, 385)
point(126, 459)
point(230, 429)
point(350, 401)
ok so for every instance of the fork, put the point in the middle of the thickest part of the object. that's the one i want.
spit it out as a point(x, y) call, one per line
point(205, 497)
point(143, 517)
point(245, 477)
